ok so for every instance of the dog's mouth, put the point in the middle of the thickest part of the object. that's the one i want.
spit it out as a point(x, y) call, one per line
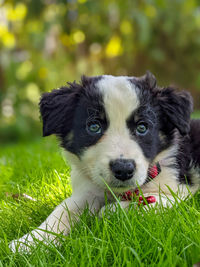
point(121, 189)
point(122, 186)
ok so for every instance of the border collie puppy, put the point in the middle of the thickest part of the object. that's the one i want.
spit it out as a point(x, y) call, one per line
point(120, 133)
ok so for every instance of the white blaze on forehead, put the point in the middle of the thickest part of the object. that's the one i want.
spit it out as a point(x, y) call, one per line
point(120, 101)
point(120, 98)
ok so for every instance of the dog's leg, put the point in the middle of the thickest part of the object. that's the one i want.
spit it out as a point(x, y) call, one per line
point(125, 204)
point(113, 207)
point(59, 221)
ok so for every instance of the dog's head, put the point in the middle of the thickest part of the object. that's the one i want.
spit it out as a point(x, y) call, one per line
point(116, 126)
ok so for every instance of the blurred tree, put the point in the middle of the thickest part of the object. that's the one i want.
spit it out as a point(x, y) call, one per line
point(44, 43)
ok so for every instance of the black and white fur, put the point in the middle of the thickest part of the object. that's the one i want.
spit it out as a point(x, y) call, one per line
point(118, 105)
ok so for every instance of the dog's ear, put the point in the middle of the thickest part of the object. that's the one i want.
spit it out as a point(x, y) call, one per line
point(176, 107)
point(57, 109)
point(148, 81)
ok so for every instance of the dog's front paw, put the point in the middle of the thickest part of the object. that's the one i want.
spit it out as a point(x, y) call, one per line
point(113, 207)
point(30, 240)
point(23, 244)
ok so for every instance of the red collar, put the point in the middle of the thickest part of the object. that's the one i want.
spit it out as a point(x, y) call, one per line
point(152, 173)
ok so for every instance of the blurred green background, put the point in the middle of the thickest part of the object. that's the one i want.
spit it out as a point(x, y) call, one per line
point(45, 43)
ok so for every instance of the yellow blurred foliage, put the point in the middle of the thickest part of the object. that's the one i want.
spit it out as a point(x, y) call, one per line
point(150, 11)
point(23, 70)
point(126, 27)
point(17, 13)
point(3, 30)
point(65, 39)
point(82, 1)
point(114, 47)
point(8, 39)
point(51, 12)
point(84, 19)
point(78, 36)
point(197, 20)
point(43, 73)
point(32, 92)
point(188, 6)
point(34, 26)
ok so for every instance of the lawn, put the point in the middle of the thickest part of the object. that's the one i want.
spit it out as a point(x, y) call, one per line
point(158, 237)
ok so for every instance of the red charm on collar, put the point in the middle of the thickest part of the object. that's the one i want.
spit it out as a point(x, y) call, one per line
point(149, 200)
point(129, 195)
point(154, 171)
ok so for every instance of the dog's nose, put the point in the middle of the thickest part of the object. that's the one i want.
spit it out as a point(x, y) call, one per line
point(123, 169)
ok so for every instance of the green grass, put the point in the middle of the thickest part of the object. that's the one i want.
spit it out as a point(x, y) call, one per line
point(156, 238)
point(196, 114)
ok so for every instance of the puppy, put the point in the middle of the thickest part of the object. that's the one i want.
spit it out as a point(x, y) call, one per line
point(119, 133)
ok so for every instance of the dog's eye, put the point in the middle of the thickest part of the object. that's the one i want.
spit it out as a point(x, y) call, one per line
point(141, 129)
point(94, 127)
